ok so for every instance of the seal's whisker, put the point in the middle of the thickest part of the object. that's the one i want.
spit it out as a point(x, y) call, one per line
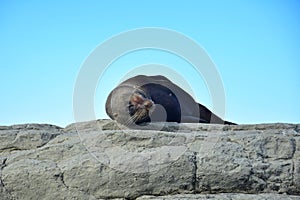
point(133, 118)
point(138, 115)
point(128, 122)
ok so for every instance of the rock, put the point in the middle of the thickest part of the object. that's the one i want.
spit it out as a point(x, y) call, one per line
point(28, 136)
point(222, 196)
point(104, 160)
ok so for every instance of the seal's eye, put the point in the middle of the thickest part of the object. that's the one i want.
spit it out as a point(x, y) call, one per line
point(131, 109)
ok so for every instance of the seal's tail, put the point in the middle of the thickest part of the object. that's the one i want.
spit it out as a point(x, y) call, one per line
point(206, 116)
point(229, 123)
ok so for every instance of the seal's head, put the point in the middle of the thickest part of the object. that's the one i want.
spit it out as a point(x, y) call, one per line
point(140, 107)
point(129, 105)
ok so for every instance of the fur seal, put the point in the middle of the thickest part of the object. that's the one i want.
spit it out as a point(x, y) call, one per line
point(143, 99)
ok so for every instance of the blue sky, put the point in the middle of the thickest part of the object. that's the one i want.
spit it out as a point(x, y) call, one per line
point(255, 46)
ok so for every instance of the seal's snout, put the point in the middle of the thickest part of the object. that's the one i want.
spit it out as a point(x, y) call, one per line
point(148, 104)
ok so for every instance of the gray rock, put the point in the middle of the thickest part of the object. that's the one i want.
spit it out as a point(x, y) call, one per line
point(102, 159)
point(222, 196)
point(28, 136)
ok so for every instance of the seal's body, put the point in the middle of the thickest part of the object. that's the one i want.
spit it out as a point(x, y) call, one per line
point(144, 99)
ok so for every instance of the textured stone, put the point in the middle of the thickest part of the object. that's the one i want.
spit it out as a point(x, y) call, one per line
point(102, 159)
point(221, 197)
point(29, 136)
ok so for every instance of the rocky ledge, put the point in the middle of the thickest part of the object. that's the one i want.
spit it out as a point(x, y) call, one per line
point(102, 160)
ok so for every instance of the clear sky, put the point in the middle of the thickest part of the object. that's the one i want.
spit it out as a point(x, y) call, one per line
point(255, 46)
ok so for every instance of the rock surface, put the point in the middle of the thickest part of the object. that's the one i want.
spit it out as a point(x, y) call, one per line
point(103, 160)
point(221, 196)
